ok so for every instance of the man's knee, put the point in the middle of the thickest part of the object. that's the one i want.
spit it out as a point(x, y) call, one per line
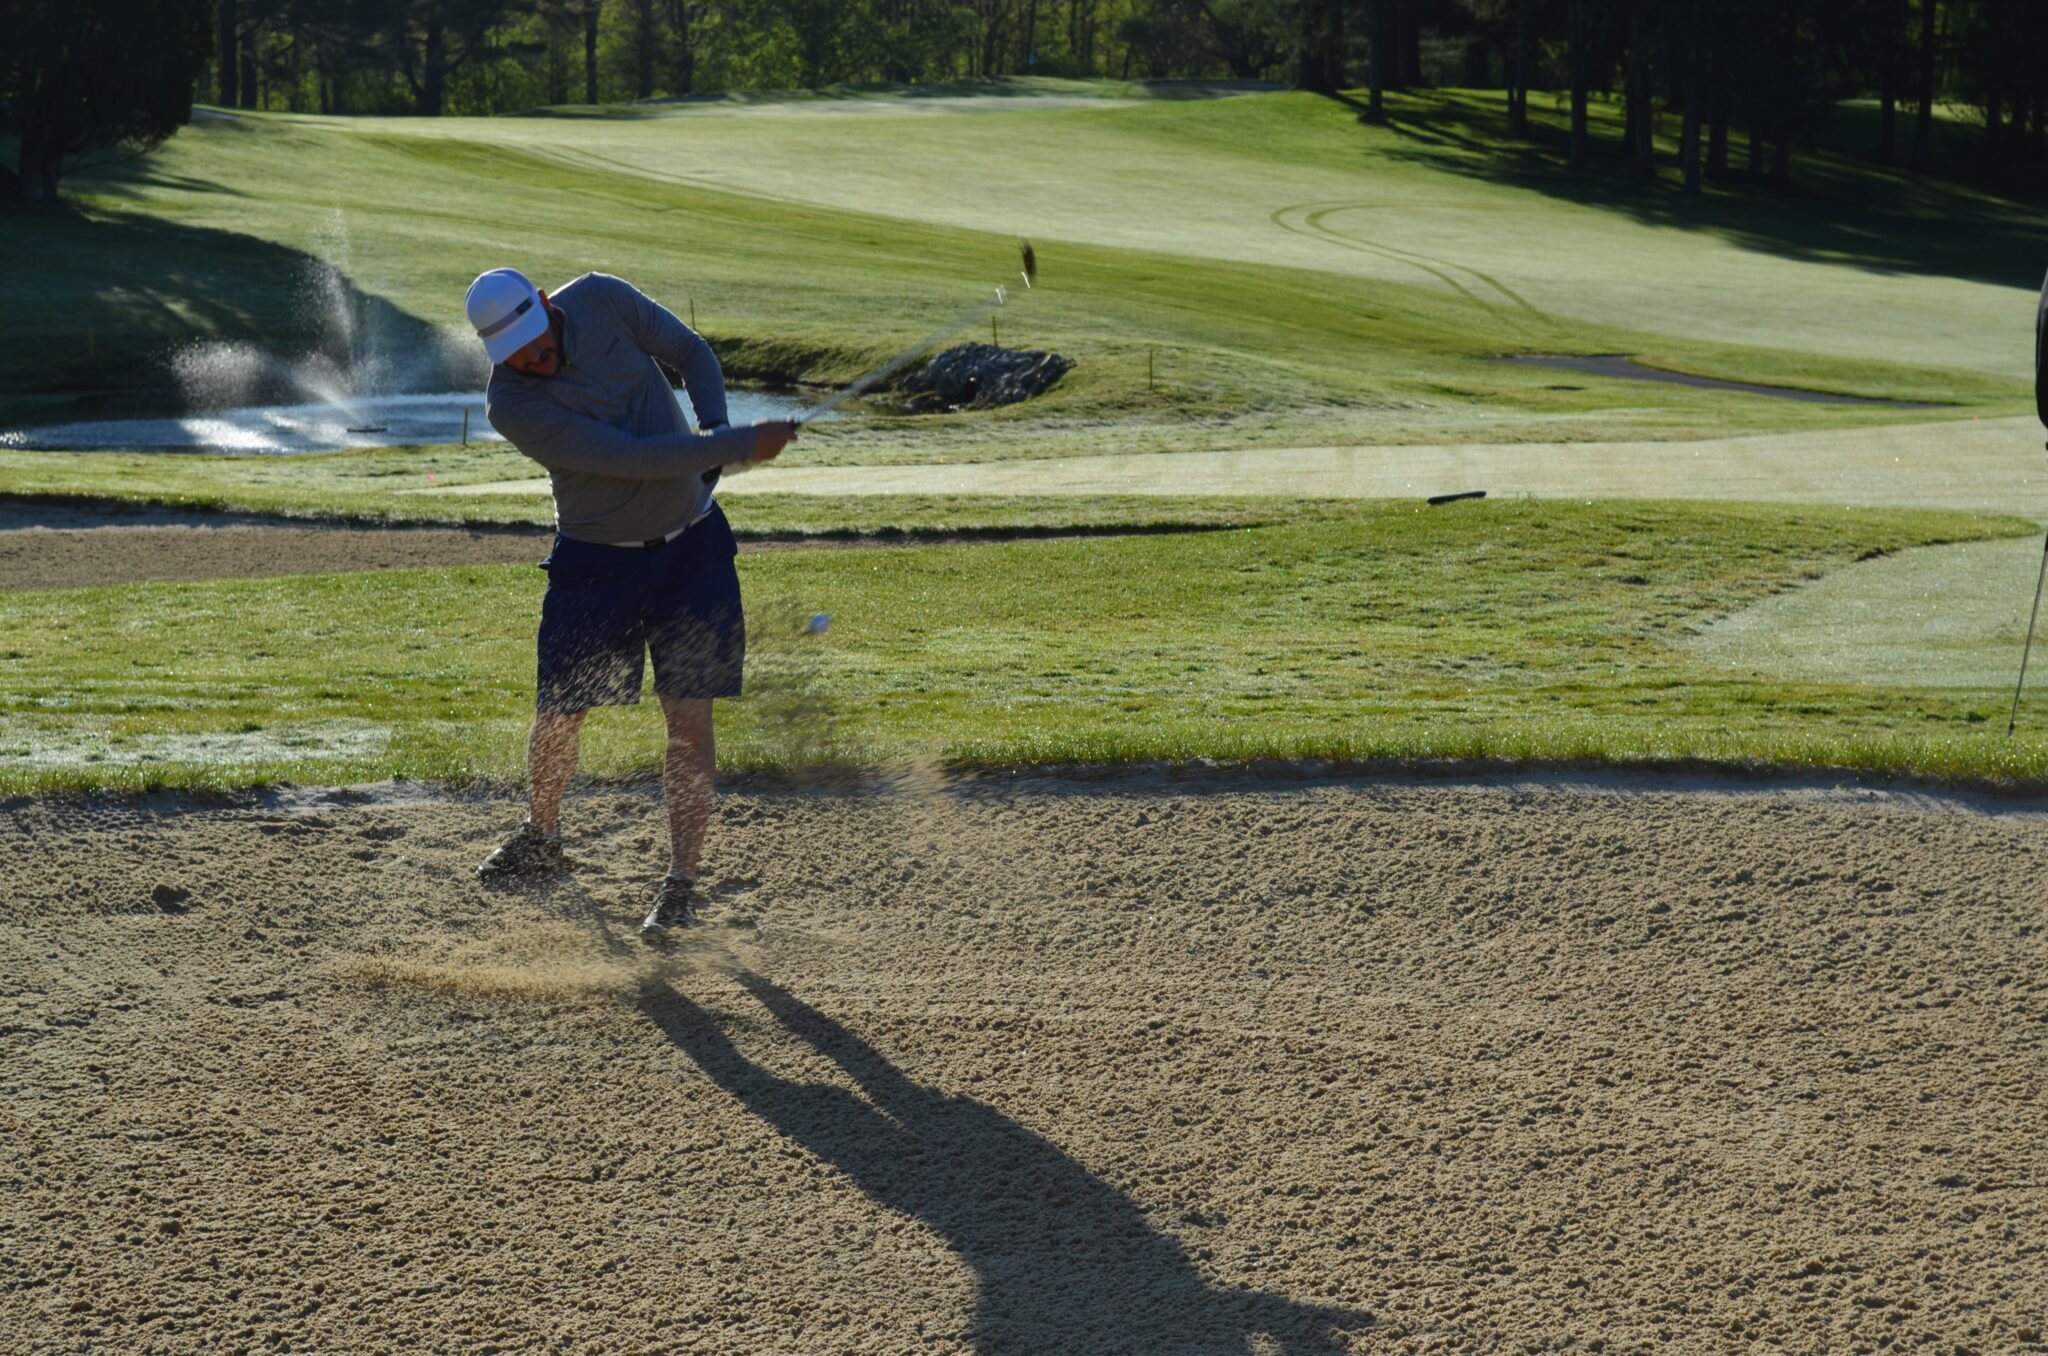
point(688, 717)
point(554, 733)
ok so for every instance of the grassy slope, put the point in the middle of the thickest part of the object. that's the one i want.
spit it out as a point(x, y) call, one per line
point(1857, 262)
point(1347, 342)
point(1535, 630)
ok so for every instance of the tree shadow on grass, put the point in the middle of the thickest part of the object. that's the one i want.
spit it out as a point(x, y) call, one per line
point(1062, 1261)
point(106, 297)
point(1837, 211)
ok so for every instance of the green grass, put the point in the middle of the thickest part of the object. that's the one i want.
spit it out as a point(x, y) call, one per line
point(1946, 617)
point(1530, 630)
point(1292, 277)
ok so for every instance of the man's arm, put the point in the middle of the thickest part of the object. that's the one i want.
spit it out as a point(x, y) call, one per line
point(662, 336)
point(562, 441)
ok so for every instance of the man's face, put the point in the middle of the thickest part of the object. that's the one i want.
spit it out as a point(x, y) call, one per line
point(542, 357)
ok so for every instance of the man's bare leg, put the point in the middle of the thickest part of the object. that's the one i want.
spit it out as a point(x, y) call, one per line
point(536, 849)
point(686, 780)
point(550, 765)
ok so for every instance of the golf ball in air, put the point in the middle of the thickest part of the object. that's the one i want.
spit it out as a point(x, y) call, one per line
point(817, 624)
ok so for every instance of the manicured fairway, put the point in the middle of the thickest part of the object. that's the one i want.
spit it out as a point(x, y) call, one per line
point(1433, 200)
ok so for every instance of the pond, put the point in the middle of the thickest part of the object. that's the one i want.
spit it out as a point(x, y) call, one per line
point(330, 426)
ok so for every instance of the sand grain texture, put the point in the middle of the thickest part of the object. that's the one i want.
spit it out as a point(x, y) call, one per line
point(1037, 1067)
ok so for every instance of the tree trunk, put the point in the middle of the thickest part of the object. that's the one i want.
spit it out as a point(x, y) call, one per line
point(1717, 139)
point(643, 49)
point(590, 8)
point(1378, 62)
point(1756, 148)
point(225, 56)
point(31, 162)
point(1333, 44)
point(1314, 59)
point(1580, 143)
point(1887, 116)
point(1689, 138)
point(247, 61)
point(434, 78)
point(42, 163)
point(1642, 158)
point(686, 51)
point(1409, 26)
point(1524, 65)
point(1781, 160)
point(1923, 123)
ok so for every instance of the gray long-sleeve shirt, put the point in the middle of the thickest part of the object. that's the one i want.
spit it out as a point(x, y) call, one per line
point(622, 462)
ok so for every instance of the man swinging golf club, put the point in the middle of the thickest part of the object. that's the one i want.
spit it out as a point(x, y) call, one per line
point(643, 557)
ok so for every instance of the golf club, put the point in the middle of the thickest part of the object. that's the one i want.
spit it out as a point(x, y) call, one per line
point(2040, 408)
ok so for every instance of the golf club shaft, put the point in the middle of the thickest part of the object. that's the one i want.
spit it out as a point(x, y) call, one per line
point(2028, 650)
point(896, 364)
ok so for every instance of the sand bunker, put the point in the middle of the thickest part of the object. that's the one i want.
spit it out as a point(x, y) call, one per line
point(1036, 1067)
point(54, 547)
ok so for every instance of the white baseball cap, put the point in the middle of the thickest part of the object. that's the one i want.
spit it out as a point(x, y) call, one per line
point(506, 312)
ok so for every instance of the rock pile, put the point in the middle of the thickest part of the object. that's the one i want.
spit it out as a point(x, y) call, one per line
point(978, 376)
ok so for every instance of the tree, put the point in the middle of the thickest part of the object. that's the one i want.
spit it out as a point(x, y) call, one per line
point(683, 18)
point(1319, 52)
point(1580, 60)
point(436, 38)
point(79, 76)
point(1923, 124)
point(1638, 112)
point(227, 56)
point(646, 48)
point(824, 31)
point(1250, 35)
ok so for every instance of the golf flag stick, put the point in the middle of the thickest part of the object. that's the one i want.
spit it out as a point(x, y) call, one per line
point(2040, 408)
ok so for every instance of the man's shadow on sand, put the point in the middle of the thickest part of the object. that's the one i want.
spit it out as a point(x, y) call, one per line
point(1062, 1261)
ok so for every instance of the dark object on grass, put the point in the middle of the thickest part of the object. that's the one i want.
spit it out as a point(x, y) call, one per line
point(979, 376)
point(1454, 498)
